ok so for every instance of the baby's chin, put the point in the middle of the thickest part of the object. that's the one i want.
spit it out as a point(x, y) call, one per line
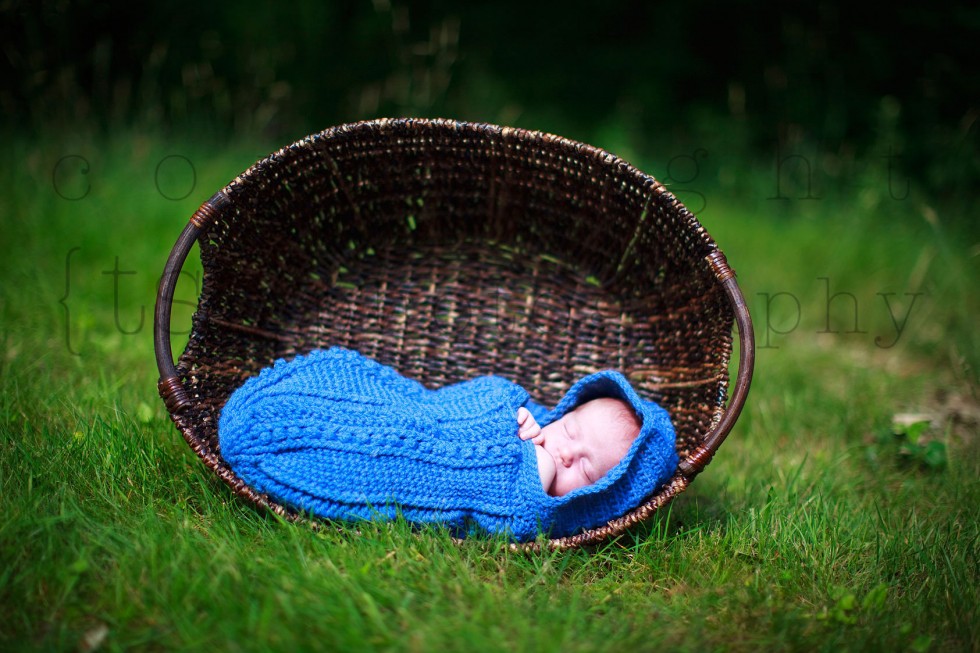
point(558, 488)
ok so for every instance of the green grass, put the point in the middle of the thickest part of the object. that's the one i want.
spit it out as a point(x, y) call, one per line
point(815, 528)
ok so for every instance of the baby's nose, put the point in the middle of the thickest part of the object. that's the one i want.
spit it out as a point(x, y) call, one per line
point(566, 452)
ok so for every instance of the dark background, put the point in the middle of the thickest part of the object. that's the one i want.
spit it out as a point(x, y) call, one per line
point(752, 79)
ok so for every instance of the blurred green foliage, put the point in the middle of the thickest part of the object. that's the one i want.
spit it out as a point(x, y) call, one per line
point(897, 87)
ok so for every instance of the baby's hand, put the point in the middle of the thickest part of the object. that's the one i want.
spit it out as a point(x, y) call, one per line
point(528, 428)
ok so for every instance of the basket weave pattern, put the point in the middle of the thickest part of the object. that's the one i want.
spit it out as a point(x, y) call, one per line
point(450, 250)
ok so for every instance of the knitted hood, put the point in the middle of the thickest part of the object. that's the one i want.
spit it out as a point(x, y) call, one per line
point(649, 463)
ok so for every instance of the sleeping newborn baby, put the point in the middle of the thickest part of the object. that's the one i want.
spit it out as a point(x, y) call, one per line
point(338, 435)
point(580, 447)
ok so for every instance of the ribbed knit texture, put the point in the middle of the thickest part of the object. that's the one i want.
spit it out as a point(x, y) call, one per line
point(341, 436)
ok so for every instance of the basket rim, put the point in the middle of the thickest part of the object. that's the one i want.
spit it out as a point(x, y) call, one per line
point(171, 389)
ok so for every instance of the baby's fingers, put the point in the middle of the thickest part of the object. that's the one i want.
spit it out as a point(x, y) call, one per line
point(528, 425)
point(530, 433)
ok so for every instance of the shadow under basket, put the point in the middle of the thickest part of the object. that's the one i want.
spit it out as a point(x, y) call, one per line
point(450, 250)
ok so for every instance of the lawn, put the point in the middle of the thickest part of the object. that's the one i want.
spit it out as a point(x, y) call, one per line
point(820, 525)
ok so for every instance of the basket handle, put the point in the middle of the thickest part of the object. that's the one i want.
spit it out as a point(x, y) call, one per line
point(702, 454)
point(170, 386)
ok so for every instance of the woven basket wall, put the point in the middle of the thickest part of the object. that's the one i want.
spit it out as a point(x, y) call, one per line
point(450, 250)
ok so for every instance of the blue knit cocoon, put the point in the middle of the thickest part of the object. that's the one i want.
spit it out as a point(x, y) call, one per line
point(338, 435)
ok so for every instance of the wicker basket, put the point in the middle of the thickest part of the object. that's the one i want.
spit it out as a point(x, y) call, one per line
point(449, 250)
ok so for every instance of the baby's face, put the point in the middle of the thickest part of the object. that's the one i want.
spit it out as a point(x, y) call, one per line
point(586, 443)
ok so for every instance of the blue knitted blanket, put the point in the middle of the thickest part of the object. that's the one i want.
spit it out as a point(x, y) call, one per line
point(341, 436)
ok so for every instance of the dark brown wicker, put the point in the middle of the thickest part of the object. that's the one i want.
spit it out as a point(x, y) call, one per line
point(450, 250)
